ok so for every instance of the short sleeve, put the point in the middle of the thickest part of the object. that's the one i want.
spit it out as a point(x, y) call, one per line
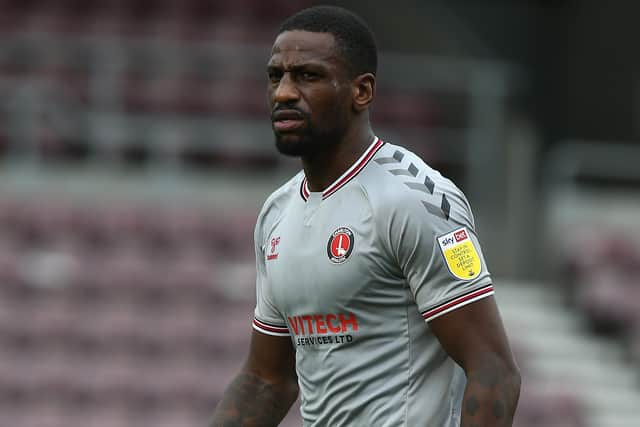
point(439, 255)
point(267, 319)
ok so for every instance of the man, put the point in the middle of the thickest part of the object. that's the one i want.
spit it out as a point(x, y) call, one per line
point(373, 298)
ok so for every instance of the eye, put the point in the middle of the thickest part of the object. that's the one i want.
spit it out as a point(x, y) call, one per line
point(308, 75)
point(274, 76)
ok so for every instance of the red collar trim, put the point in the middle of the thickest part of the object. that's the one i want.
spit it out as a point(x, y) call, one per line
point(348, 175)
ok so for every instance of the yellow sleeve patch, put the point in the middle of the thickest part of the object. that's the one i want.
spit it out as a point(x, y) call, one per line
point(460, 254)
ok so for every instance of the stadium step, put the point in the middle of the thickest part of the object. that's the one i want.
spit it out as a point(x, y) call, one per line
point(563, 355)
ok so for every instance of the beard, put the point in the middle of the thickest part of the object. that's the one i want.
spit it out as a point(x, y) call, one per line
point(309, 140)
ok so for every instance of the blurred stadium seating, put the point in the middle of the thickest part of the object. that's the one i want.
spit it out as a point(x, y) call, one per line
point(135, 311)
point(127, 82)
point(593, 246)
point(103, 308)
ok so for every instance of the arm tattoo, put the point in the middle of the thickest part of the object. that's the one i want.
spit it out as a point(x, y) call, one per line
point(252, 402)
point(491, 395)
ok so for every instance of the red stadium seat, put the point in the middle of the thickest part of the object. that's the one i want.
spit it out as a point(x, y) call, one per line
point(404, 108)
point(9, 267)
point(549, 408)
point(193, 273)
point(611, 300)
point(14, 13)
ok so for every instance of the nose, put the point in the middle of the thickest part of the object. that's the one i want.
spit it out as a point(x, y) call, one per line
point(286, 90)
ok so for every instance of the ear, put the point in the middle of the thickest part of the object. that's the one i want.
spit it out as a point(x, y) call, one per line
point(364, 90)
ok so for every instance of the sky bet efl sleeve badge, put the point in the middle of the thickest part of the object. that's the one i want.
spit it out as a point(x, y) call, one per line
point(340, 245)
point(460, 254)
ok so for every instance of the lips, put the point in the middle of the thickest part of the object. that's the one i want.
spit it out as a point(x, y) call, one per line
point(287, 120)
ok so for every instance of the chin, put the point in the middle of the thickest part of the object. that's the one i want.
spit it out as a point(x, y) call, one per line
point(292, 145)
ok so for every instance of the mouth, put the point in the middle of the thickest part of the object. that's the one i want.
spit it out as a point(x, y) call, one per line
point(287, 120)
point(287, 125)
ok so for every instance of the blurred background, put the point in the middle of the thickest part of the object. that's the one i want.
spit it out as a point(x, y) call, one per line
point(136, 151)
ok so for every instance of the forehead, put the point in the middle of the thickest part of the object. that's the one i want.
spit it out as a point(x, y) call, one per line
point(296, 47)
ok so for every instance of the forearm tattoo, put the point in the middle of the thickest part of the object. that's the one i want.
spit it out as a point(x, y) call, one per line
point(249, 401)
point(491, 396)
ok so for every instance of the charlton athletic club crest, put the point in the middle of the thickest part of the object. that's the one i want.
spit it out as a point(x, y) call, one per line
point(340, 245)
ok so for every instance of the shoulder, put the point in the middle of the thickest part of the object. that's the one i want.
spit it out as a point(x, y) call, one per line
point(274, 204)
point(399, 180)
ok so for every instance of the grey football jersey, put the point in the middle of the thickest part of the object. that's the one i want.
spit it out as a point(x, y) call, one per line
point(354, 274)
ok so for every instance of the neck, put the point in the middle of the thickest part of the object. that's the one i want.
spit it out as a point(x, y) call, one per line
point(324, 168)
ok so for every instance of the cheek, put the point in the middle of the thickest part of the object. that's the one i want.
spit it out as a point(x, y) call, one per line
point(269, 99)
point(332, 107)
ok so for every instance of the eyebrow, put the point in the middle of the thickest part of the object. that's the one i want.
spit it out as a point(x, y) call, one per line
point(298, 67)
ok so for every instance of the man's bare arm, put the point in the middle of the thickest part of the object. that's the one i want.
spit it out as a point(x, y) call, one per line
point(264, 390)
point(474, 337)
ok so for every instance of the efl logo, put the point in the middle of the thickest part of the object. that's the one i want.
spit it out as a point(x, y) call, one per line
point(340, 245)
point(460, 254)
point(460, 235)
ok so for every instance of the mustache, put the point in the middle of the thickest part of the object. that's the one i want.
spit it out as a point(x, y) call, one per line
point(288, 107)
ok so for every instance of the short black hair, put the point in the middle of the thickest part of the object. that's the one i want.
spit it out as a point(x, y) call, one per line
point(354, 39)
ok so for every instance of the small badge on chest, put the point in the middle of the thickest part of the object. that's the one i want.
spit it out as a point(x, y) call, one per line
point(340, 245)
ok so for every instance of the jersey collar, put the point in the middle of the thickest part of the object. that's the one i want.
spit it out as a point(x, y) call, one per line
point(349, 173)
